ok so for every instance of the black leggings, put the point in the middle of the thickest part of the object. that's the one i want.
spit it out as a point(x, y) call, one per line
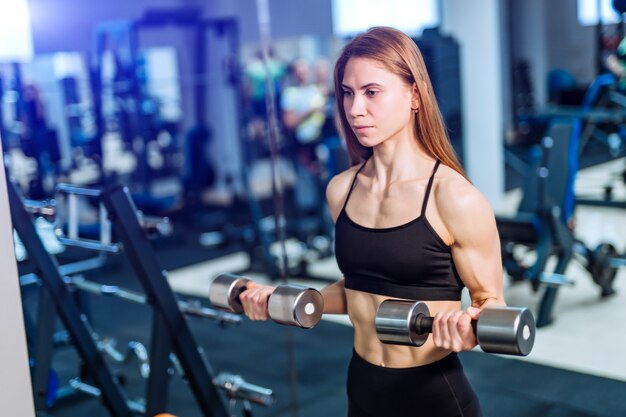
point(439, 389)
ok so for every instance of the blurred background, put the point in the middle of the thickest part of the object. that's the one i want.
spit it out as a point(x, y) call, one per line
point(218, 118)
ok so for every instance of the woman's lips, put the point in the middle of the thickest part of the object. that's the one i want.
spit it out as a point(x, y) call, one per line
point(361, 129)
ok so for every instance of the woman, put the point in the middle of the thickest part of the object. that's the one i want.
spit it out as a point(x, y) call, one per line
point(409, 225)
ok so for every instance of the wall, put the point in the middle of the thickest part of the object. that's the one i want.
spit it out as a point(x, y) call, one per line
point(529, 41)
point(16, 395)
point(570, 45)
point(288, 18)
point(477, 27)
point(68, 25)
point(548, 35)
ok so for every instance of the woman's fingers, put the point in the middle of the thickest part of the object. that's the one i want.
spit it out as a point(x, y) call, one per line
point(452, 330)
point(254, 301)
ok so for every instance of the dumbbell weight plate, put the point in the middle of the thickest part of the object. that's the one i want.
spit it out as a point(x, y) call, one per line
point(602, 272)
point(506, 330)
point(296, 305)
point(394, 322)
point(225, 290)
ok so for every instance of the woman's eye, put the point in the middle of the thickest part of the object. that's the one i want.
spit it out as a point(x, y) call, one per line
point(347, 93)
point(371, 93)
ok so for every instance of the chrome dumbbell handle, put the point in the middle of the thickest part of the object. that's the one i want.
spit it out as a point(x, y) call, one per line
point(236, 387)
point(504, 330)
point(46, 208)
point(161, 225)
point(289, 304)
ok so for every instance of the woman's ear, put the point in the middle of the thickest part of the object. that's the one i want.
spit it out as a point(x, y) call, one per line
point(415, 101)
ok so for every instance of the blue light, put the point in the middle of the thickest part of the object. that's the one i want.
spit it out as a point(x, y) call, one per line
point(16, 38)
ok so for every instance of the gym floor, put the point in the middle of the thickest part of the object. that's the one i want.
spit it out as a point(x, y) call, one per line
point(577, 367)
point(588, 334)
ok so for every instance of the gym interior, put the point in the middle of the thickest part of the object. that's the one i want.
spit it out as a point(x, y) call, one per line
point(150, 165)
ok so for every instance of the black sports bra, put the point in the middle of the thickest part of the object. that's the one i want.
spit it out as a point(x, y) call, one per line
point(406, 261)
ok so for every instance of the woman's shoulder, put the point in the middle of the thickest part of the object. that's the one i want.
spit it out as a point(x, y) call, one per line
point(343, 179)
point(456, 194)
point(338, 188)
point(464, 210)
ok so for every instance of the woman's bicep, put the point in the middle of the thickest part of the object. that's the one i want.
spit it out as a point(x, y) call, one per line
point(476, 248)
point(478, 262)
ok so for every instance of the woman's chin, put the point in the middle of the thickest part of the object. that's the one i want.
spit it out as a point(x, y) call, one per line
point(368, 142)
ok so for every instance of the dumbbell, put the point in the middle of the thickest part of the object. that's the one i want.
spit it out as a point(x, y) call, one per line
point(289, 304)
point(505, 330)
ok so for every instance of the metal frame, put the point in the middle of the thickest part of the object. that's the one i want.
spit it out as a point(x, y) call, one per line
point(166, 343)
point(546, 214)
point(56, 293)
point(170, 330)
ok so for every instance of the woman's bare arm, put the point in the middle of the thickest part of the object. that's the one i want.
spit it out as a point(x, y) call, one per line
point(335, 298)
point(470, 222)
point(254, 299)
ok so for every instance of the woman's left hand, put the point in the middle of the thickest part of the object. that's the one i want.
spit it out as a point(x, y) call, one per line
point(452, 330)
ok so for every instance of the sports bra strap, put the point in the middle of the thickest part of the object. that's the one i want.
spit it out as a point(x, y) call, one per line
point(353, 183)
point(429, 187)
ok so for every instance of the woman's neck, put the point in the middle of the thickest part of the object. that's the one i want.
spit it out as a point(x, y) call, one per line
point(399, 160)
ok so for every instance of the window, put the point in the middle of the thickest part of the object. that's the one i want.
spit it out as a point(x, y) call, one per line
point(351, 17)
point(16, 39)
point(588, 12)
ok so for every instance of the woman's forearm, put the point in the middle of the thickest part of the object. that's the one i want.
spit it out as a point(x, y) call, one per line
point(335, 298)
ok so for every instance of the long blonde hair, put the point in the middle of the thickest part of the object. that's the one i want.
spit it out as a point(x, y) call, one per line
point(400, 55)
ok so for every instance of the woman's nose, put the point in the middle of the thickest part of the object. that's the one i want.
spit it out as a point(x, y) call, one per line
point(357, 107)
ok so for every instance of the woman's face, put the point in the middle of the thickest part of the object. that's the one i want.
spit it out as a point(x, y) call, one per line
point(376, 101)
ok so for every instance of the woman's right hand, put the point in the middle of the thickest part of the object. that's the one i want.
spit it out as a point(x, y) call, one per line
point(254, 300)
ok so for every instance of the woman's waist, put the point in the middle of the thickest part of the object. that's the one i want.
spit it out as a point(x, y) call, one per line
point(362, 308)
point(390, 356)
